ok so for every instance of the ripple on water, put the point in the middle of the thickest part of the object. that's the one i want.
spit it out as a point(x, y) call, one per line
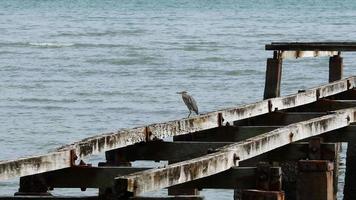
point(143, 60)
point(245, 72)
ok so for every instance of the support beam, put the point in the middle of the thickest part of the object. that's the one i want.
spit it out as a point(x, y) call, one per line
point(315, 180)
point(178, 151)
point(101, 143)
point(231, 155)
point(273, 78)
point(103, 177)
point(105, 142)
point(236, 134)
point(36, 164)
point(160, 150)
point(335, 68)
point(293, 152)
point(306, 54)
point(278, 118)
point(325, 105)
point(82, 177)
point(311, 46)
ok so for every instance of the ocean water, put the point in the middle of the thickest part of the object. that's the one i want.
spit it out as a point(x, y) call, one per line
point(73, 69)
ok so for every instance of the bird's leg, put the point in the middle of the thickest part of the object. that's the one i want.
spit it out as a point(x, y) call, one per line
point(190, 112)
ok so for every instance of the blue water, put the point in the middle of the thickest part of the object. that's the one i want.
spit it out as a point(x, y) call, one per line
point(73, 69)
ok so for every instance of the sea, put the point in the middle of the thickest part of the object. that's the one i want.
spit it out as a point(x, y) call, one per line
point(73, 69)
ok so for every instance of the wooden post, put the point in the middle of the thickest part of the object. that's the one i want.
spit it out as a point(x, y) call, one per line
point(113, 159)
point(262, 195)
point(350, 175)
point(33, 185)
point(335, 68)
point(315, 180)
point(273, 77)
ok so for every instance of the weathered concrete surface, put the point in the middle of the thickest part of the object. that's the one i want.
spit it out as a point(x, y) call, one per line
point(109, 141)
point(306, 54)
point(36, 164)
point(230, 155)
point(101, 143)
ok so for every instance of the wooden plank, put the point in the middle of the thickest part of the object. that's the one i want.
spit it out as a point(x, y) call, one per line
point(36, 164)
point(178, 151)
point(121, 138)
point(273, 78)
point(311, 46)
point(231, 155)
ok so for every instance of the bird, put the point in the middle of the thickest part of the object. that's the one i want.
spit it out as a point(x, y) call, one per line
point(189, 102)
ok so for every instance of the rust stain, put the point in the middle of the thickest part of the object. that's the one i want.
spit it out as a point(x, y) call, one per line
point(291, 135)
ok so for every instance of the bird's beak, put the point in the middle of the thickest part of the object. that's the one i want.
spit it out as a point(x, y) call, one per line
point(179, 92)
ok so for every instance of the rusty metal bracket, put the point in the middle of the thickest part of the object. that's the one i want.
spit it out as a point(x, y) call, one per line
point(148, 134)
point(317, 94)
point(270, 106)
point(73, 157)
point(314, 151)
point(220, 119)
point(348, 84)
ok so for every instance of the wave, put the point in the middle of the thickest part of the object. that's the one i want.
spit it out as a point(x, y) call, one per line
point(110, 33)
point(50, 44)
point(59, 45)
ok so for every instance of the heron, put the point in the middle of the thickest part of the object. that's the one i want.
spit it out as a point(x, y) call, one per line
point(189, 102)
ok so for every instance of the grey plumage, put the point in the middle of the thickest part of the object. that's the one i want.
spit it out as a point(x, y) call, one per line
point(189, 102)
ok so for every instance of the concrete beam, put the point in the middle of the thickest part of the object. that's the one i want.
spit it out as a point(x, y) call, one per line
point(103, 177)
point(36, 164)
point(101, 143)
point(306, 54)
point(230, 156)
point(105, 142)
point(178, 151)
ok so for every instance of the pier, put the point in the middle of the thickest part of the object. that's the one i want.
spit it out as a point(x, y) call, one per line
point(282, 147)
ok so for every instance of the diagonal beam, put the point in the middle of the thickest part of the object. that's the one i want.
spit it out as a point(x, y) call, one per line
point(125, 137)
point(105, 142)
point(230, 155)
point(36, 164)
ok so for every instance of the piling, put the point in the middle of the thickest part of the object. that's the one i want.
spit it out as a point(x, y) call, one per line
point(315, 180)
point(335, 68)
point(273, 77)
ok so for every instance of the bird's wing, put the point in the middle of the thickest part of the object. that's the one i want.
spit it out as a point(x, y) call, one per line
point(194, 105)
point(186, 100)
